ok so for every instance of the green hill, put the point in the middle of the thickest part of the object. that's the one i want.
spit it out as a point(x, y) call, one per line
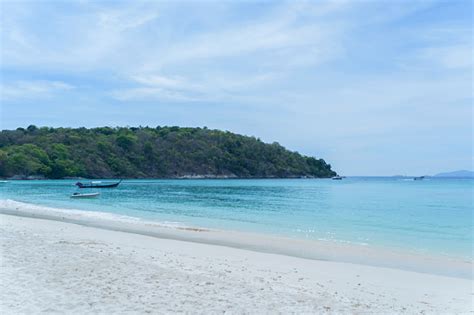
point(161, 152)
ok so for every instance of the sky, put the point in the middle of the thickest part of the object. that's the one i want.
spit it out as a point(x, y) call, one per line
point(373, 87)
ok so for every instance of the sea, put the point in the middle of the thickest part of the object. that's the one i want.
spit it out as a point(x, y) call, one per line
point(431, 216)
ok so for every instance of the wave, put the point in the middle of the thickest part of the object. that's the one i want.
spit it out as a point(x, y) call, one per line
point(23, 208)
point(309, 249)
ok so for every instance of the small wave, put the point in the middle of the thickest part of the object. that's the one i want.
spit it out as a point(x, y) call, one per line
point(342, 241)
point(73, 214)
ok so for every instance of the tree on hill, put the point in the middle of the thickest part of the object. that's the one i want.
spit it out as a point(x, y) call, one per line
point(144, 152)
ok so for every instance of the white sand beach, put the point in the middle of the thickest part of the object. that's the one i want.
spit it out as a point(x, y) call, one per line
point(52, 266)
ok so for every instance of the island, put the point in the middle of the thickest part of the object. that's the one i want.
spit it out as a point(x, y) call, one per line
point(456, 174)
point(146, 152)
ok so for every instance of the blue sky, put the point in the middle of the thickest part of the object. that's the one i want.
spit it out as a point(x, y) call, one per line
point(373, 87)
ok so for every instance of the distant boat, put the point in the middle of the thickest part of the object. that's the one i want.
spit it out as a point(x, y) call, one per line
point(79, 195)
point(337, 177)
point(419, 178)
point(98, 185)
point(3, 181)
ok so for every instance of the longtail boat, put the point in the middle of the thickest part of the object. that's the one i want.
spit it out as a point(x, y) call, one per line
point(98, 185)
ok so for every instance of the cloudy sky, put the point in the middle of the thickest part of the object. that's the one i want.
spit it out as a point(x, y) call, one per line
point(373, 87)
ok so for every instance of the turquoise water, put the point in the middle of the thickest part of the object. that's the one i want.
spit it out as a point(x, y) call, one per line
point(432, 216)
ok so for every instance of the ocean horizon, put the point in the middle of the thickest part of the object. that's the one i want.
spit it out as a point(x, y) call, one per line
point(433, 216)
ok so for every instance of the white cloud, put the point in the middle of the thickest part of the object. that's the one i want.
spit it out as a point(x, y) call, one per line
point(450, 57)
point(440, 48)
point(149, 94)
point(123, 39)
point(159, 87)
point(273, 39)
point(32, 89)
point(212, 88)
point(160, 81)
point(122, 20)
point(89, 39)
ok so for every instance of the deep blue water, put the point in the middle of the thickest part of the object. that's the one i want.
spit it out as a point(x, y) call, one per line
point(433, 215)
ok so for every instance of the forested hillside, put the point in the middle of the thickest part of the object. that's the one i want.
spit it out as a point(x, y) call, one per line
point(161, 152)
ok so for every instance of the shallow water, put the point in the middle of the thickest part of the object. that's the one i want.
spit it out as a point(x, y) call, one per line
point(432, 216)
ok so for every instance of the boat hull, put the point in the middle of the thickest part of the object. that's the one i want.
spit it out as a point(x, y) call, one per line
point(113, 185)
point(92, 195)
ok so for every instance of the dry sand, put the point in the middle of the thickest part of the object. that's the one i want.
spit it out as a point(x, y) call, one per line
point(51, 266)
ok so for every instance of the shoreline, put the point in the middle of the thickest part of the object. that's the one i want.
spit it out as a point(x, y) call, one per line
point(263, 243)
point(46, 262)
point(201, 176)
